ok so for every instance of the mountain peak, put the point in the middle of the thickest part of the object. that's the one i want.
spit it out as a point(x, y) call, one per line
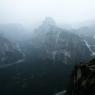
point(49, 21)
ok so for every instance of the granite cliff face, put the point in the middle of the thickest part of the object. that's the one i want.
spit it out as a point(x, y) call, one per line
point(87, 33)
point(9, 54)
point(59, 45)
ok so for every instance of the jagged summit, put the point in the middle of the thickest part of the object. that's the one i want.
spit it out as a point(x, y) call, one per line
point(49, 22)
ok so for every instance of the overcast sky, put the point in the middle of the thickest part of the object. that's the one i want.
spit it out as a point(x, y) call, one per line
point(33, 11)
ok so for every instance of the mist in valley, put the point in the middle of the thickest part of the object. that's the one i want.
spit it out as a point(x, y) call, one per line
point(43, 43)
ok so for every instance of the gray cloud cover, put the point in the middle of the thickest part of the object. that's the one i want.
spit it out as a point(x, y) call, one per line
point(63, 11)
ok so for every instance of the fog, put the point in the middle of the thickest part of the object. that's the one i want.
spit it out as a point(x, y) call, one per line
point(46, 47)
point(34, 11)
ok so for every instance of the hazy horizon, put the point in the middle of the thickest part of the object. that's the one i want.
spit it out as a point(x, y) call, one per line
point(68, 12)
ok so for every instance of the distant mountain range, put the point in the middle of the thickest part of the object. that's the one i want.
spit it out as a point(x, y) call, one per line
point(9, 54)
point(42, 62)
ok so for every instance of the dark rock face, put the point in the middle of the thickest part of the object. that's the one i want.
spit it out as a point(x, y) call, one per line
point(8, 52)
point(83, 79)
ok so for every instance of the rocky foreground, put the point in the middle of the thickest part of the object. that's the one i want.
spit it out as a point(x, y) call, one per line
point(82, 80)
